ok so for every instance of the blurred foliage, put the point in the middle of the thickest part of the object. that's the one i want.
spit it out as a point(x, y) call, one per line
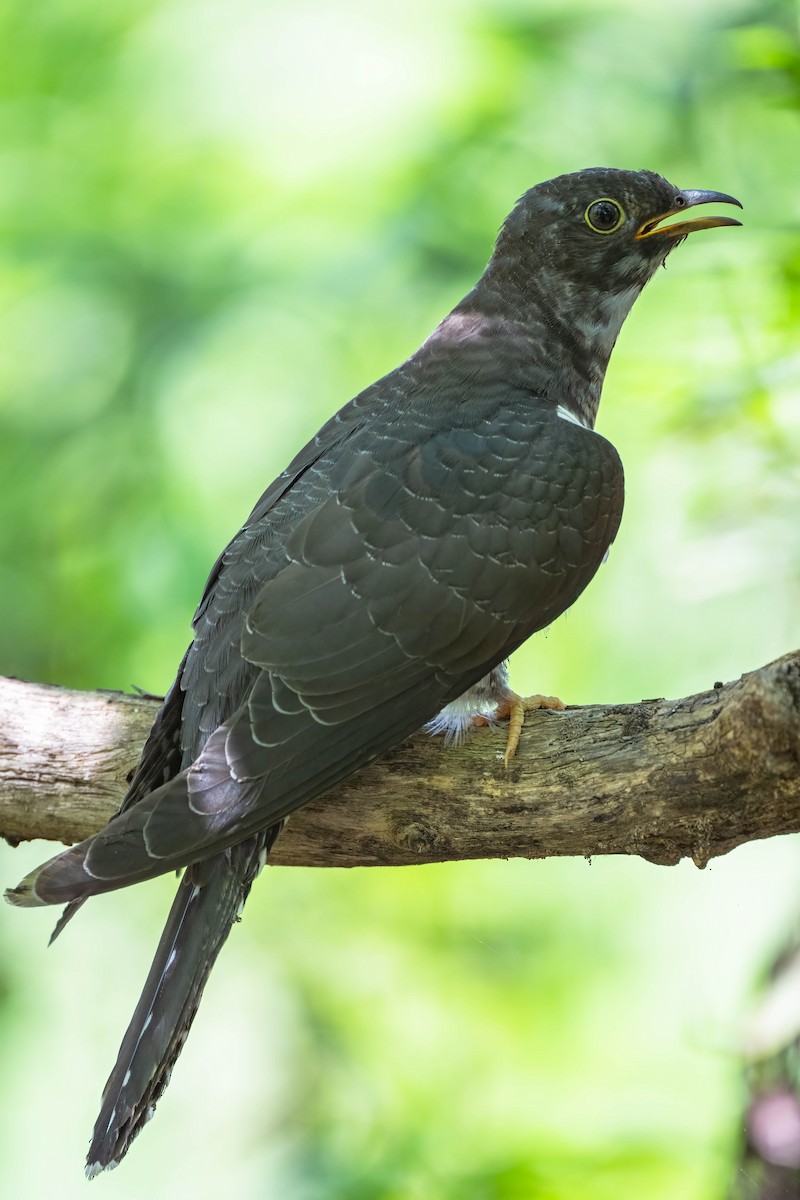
point(770, 1138)
point(218, 221)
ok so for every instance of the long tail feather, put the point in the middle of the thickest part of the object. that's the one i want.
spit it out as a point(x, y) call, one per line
point(209, 900)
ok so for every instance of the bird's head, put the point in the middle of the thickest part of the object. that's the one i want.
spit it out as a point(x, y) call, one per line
point(604, 229)
point(569, 262)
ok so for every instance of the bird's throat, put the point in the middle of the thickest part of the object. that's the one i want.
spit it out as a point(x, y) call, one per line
point(554, 334)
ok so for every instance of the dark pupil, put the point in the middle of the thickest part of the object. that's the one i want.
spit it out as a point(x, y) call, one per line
point(603, 215)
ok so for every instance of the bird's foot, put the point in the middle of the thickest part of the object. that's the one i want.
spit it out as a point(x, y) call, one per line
point(513, 709)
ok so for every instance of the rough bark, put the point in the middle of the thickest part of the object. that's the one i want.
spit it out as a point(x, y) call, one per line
point(664, 779)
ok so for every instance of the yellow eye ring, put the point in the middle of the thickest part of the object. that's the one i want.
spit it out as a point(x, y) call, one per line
point(604, 215)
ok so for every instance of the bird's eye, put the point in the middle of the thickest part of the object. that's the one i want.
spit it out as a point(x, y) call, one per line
point(604, 216)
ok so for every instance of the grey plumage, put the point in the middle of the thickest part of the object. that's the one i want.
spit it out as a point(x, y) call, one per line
point(434, 524)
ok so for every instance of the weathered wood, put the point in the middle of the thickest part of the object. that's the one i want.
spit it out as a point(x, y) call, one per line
point(664, 779)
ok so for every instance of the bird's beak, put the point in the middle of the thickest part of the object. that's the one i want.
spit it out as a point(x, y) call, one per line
point(686, 200)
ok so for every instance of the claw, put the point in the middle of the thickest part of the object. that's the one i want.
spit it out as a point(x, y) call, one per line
point(514, 708)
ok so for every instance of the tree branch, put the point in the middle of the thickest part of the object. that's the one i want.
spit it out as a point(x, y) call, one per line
point(664, 779)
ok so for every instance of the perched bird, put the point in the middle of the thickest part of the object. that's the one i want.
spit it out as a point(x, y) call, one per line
point(449, 511)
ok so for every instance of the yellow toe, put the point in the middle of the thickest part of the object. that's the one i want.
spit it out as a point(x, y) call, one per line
point(514, 709)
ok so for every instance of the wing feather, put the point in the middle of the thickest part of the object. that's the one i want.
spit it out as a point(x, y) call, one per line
point(347, 616)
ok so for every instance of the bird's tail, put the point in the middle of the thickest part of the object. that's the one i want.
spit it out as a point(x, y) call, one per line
point(209, 900)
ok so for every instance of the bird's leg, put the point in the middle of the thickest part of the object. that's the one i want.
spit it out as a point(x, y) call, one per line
point(513, 709)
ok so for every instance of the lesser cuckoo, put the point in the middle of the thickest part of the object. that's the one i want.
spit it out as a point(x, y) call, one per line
point(444, 515)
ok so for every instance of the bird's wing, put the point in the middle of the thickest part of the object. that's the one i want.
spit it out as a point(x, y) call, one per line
point(393, 592)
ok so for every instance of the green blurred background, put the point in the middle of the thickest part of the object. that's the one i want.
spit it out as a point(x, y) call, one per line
point(220, 219)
